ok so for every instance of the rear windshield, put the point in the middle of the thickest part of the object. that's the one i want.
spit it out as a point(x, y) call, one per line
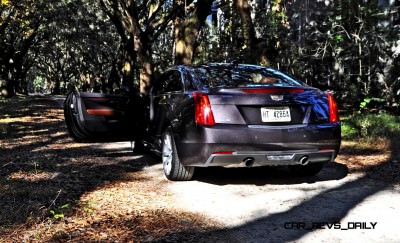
point(224, 76)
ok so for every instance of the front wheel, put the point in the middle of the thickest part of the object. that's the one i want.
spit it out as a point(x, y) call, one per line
point(173, 169)
point(306, 170)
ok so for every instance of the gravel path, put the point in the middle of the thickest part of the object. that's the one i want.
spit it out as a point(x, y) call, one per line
point(267, 205)
point(41, 168)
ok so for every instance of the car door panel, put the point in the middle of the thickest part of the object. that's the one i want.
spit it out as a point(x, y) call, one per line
point(162, 103)
point(103, 117)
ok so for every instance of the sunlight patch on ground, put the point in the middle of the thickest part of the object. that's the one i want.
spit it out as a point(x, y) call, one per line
point(385, 230)
point(32, 176)
point(16, 119)
point(126, 146)
point(362, 161)
point(248, 202)
point(16, 143)
point(361, 155)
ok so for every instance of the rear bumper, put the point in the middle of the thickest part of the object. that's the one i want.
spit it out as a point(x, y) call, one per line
point(269, 158)
point(230, 145)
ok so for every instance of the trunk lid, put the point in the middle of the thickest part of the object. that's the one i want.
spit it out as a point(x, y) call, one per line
point(272, 106)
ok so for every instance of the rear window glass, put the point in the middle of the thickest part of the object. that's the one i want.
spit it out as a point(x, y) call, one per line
point(238, 76)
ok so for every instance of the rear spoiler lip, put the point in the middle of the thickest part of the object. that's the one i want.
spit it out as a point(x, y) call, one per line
point(272, 90)
point(261, 90)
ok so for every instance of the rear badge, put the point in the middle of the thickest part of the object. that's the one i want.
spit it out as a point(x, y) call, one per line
point(277, 97)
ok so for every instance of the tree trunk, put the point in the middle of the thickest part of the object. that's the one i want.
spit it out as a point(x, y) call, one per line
point(126, 15)
point(57, 87)
point(146, 75)
point(8, 86)
point(187, 31)
point(7, 90)
point(248, 33)
point(128, 65)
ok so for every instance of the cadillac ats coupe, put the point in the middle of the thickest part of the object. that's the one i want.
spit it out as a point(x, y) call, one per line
point(216, 115)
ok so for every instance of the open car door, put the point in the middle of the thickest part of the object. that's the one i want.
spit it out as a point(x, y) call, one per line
point(96, 117)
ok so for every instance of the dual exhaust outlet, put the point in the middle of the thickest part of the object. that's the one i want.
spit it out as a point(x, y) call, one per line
point(303, 160)
point(249, 161)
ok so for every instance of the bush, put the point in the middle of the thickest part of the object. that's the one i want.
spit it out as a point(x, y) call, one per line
point(370, 126)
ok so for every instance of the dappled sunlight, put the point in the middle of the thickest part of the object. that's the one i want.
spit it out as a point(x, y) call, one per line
point(362, 155)
point(117, 198)
point(53, 189)
point(15, 143)
point(33, 176)
point(359, 162)
point(10, 119)
point(32, 138)
point(342, 203)
point(211, 199)
point(134, 205)
point(156, 171)
point(56, 189)
point(141, 225)
point(94, 186)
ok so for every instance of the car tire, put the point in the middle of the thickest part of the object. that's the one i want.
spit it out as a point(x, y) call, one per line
point(140, 148)
point(306, 170)
point(173, 169)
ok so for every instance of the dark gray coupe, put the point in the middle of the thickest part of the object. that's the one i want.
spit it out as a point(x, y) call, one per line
point(217, 115)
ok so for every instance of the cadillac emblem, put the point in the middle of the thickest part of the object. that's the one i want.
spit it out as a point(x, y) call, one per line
point(277, 97)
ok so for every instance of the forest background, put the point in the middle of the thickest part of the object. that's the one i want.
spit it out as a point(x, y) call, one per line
point(349, 47)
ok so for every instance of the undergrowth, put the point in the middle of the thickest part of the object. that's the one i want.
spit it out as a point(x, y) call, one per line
point(370, 126)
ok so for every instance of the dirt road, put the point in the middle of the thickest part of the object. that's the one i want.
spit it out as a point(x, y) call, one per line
point(270, 205)
point(267, 205)
point(53, 189)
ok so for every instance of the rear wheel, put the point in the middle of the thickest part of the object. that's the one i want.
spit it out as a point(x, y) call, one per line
point(306, 170)
point(173, 169)
point(139, 147)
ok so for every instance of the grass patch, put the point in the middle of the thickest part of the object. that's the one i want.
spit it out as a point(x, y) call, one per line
point(369, 126)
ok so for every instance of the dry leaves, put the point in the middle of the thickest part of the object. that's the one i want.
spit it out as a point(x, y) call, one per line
point(52, 189)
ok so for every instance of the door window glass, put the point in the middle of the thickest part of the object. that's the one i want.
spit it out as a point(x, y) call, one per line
point(172, 82)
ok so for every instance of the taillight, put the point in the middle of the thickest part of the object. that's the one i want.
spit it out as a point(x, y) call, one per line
point(333, 109)
point(223, 153)
point(203, 112)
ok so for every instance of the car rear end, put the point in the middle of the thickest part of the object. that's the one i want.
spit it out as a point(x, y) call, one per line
point(254, 124)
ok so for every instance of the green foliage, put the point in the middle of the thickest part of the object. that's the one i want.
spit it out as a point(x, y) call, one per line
point(338, 38)
point(59, 212)
point(39, 85)
point(4, 2)
point(370, 126)
point(88, 208)
point(364, 104)
point(351, 47)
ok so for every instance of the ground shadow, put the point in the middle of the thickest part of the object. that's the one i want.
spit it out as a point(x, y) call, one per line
point(22, 199)
point(51, 170)
point(261, 176)
point(271, 228)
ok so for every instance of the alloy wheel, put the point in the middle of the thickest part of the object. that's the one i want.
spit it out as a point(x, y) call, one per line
point(167, 153)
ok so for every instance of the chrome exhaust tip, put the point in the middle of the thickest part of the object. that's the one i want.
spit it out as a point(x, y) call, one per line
point(304, 160)
point(248, 162)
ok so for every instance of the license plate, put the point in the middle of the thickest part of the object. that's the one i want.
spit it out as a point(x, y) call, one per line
point(275, 114)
